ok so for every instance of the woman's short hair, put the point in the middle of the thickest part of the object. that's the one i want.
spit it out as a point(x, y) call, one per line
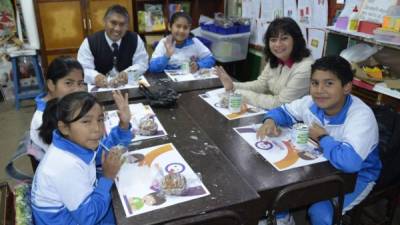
point(285, 25)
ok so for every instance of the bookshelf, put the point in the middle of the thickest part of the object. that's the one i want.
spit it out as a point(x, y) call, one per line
point(195, 8)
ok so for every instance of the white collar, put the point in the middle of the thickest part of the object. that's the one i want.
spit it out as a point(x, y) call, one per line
point(110, 42)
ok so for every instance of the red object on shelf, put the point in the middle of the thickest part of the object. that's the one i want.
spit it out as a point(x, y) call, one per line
point(367, 27)
point(363, 84)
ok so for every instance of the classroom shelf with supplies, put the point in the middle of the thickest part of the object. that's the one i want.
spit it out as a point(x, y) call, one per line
point(384, 91)
point(151, 16)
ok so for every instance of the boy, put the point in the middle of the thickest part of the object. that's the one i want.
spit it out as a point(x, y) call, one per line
point(344, 126)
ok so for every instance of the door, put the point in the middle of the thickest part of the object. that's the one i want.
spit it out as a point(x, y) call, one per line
point(62, 27)
point(97, 9)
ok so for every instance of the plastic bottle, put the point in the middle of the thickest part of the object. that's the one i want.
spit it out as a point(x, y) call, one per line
point(353, 20)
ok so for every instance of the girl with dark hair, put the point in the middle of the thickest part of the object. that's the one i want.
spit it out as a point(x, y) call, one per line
point(65, 189)
point(64, 76)
point(286, 76)
point(180, 48)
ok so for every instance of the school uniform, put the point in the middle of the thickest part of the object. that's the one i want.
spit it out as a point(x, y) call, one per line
point(37, 122)
point(65, 189)
point(191, 48)
point(350, 146)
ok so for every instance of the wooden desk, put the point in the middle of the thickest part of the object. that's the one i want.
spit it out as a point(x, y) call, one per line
point(260, 174)
point(228, 190)
point(158, 80)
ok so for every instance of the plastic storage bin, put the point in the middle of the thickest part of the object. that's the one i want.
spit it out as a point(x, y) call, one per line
point(228, 48)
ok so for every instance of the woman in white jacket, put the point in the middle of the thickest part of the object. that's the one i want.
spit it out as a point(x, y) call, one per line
point(286, 76)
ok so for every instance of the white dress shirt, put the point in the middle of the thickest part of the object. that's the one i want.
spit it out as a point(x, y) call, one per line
point(140, 59)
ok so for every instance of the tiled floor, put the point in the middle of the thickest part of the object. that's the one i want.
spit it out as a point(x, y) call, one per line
point(13, 124)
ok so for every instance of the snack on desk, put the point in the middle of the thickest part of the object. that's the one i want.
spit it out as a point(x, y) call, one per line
point(148, 126)
point(224, 100)
point(173, 184)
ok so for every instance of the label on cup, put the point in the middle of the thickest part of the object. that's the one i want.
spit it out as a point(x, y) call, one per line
point(300, 135)
point(235, 101)
point(185, 67)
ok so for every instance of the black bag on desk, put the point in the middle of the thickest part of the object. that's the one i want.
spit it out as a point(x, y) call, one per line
point(165, 97)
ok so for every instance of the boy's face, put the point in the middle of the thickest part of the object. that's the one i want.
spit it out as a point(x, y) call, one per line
point(72, 82)
point(88, 130)
point(115, 26)
point(180, 29)
point(328, 92)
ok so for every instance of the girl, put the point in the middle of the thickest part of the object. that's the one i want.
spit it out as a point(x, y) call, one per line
point(286, 76)
point(64, 76)
point(180, 48)
point(65, 189)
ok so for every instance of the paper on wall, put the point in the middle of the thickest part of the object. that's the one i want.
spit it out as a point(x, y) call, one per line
point(250, 8)
point(290, 9)
point(374, 10)
point(304, 10)
point(316, 42)
point(319, 20)
point(262, 26)
point(271, 9)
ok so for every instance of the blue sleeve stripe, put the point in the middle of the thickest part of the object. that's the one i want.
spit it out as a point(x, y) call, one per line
point(341, 155)
point(206, 62)
point(158, 64)
point(280, 116)
point(41, 208)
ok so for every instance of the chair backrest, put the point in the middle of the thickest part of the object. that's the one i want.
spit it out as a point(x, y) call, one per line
point(389, 145)
point(221, 217)
point(302, 193)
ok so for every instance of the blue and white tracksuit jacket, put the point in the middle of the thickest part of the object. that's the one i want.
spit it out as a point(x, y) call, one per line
point(191, 48)
point(37, 122)
point(65, 189)
point(351, 146)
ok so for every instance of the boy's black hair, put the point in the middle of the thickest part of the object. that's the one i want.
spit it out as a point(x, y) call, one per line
point(61, 66)
point(64, 110)
point(285, 25)
point(336, 65)
point(118, 9)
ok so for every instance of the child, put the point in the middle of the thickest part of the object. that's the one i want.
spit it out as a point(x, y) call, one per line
point(180, 48)
point(344, 126)
point(64, 76)
point(65, 189)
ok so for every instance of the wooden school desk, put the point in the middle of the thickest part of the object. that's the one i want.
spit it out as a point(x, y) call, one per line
point(261, 175)
point(228, 190)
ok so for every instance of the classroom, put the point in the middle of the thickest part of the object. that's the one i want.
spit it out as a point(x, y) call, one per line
point(199, 112)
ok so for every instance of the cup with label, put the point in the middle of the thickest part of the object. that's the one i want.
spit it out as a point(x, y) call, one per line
point(235, 102)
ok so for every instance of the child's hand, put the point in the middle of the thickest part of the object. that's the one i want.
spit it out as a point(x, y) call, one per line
point(169, 44)
point(269, 128)
point(123, 111)
point(316, 131)
point(225, 78)
point(111, 163)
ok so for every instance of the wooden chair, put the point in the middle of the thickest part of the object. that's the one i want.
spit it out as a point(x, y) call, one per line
point(294, 196)
point(388, 184)
point(221, 217)
point(7, 213)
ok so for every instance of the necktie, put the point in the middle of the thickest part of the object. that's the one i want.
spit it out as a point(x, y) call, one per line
point(115, 49)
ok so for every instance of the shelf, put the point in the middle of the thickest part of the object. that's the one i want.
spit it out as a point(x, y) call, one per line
point(361, 37)
point(152, 32)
